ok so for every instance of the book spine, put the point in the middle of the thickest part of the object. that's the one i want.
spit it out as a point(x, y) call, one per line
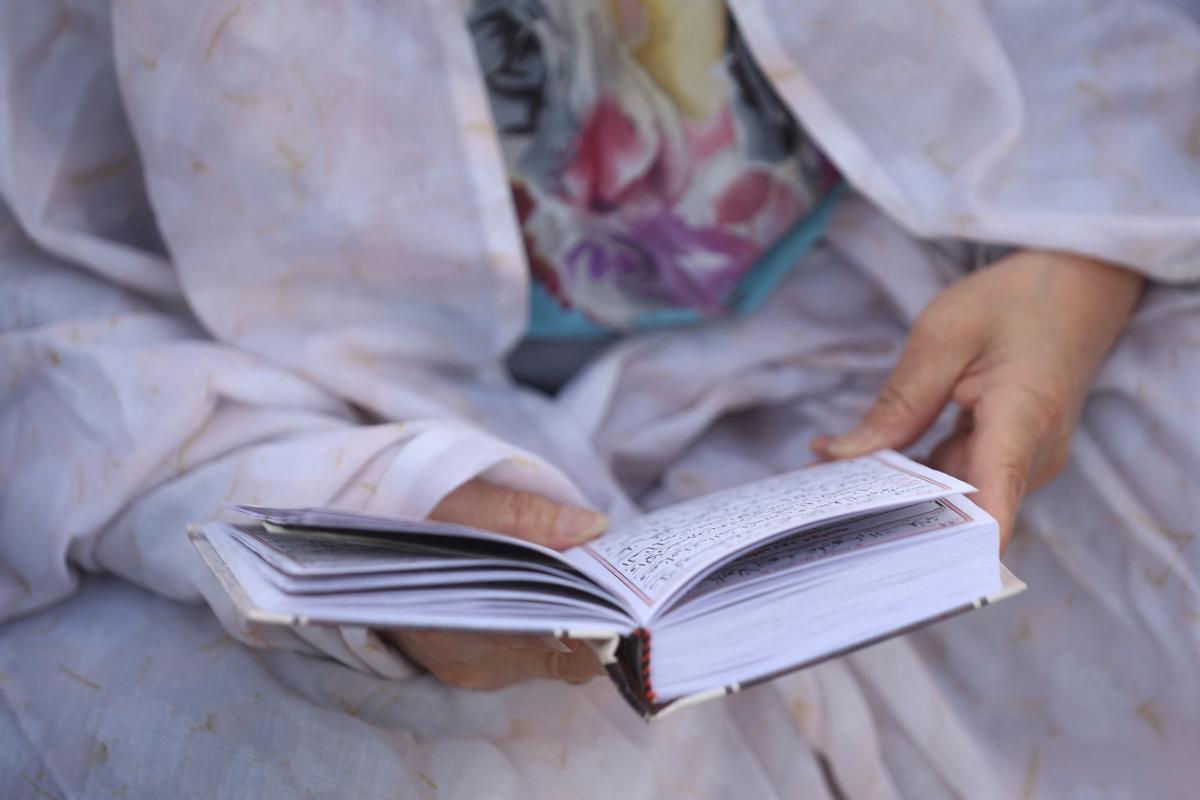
point(644, 665)
point(630, 671)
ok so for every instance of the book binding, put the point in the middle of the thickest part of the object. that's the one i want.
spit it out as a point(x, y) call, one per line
point(630, 664)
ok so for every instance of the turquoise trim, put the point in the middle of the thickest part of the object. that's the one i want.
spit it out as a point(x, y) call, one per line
point(549, 320)
point(777, 263)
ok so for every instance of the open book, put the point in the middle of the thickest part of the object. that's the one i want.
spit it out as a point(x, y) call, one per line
point(688, 602)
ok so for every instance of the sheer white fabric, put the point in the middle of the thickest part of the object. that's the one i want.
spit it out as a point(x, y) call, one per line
point(337, 281)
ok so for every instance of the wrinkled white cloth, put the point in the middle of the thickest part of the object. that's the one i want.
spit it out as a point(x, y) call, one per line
point(265, 252)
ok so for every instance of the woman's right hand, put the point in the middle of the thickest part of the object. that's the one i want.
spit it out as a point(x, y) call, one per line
point(493, 660)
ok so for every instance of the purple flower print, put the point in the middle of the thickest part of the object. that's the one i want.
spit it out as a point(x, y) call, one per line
point(660, 257)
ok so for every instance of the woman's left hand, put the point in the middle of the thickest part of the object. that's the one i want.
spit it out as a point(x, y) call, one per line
point(1015, 345)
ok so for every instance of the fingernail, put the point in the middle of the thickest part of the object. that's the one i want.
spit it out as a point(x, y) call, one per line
point(856, 441)
point(575, 525)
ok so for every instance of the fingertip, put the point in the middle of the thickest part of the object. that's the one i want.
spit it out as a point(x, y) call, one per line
point(861, 439)
point(575, 525)
point(820, 446)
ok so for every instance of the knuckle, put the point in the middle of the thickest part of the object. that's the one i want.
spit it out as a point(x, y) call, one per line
point(1034, 416)
point(507, 511)
point(1047, 400)
point(893, 403)
point(566, 667)
point(574, 667)
point(581, 670)
point(1012, 479)
point(531, 517)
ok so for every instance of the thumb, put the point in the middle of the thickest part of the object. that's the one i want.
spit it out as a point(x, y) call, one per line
point(909, 401)
point(522, 515)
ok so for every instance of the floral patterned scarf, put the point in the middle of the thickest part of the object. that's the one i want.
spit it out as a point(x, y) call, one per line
point(652, 164)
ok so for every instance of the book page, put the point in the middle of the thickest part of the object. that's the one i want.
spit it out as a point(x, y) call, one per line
point(829, 541)
point(306, 554)
point(400, 533)
point(652, 556)
point(511, 606)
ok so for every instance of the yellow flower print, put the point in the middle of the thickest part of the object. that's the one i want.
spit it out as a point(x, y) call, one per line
point(680, 44)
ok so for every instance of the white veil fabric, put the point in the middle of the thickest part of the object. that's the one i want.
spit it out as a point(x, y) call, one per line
point(265, 252)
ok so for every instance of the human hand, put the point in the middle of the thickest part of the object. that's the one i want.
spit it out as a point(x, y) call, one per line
point(492, 660)
point(1015, 345)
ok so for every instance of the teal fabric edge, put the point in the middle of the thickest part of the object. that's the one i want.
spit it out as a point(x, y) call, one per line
point(549, 320)
point(782, 257)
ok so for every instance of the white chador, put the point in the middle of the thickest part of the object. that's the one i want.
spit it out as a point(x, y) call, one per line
point(266, 252)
